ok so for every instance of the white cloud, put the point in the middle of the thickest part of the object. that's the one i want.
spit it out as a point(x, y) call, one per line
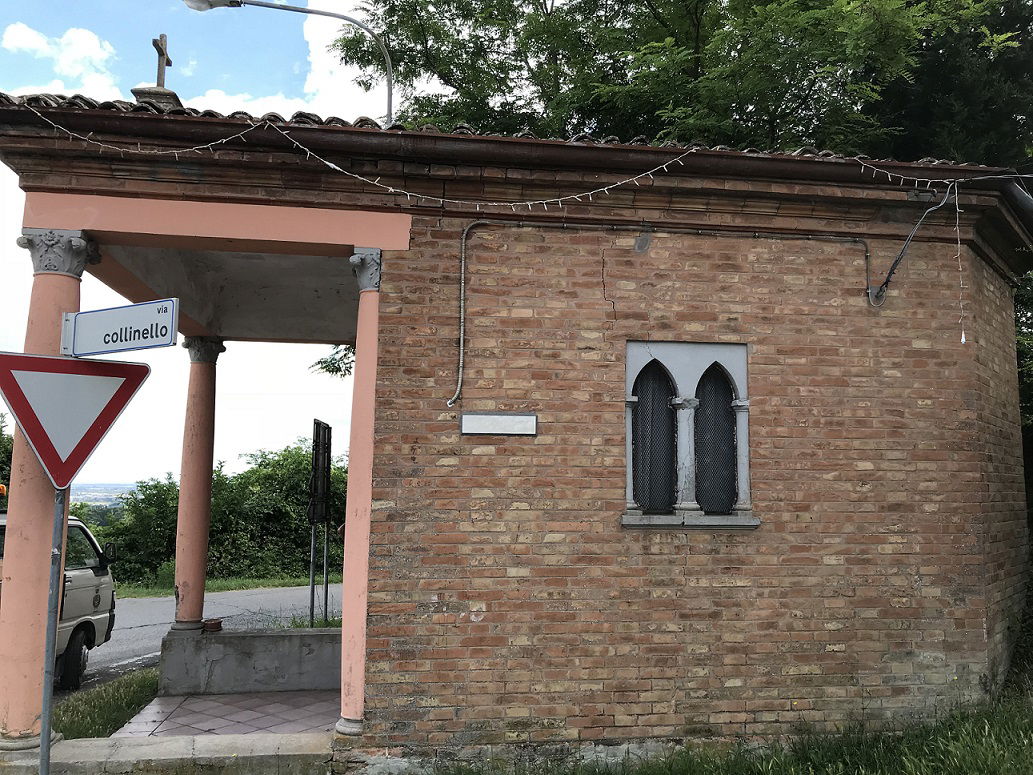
point(259, 406)
point(224, 102)
point(189, 68)
point(330, 88)
point(21, 37)
point(80, 59)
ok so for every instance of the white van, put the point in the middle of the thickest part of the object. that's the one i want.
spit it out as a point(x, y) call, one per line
point(87, 614)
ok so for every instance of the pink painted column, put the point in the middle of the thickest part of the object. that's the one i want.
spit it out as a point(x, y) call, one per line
point(59, 258)
point(195, 482)
point(355, 589)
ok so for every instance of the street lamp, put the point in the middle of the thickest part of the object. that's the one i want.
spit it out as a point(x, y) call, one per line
point(207, 5)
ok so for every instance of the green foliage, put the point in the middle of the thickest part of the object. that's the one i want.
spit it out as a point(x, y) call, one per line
point(1024, 347)
point(103, 710)
point(970, 93)
point(95, 515)
point(339, 363)
point(259, 523)
point(502, 65)
point(145, 534)
point(167, 587)
point(902, 77)
point(6, 449)
point(301, 622)
point(793, 73)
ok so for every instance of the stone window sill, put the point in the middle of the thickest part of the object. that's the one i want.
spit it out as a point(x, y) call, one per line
point(743, 520)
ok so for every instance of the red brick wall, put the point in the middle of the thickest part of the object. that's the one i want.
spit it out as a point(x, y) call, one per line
point(1002, 501)
point(507, 603)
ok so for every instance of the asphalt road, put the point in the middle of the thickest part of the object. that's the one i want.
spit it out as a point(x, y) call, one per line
point(141, 623)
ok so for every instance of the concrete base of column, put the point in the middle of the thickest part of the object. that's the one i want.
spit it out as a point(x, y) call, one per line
point(28, 743)
point(348, 726)
point(688, 507)
point(198, 625)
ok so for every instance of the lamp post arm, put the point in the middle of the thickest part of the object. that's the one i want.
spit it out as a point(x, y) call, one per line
point(350, 20)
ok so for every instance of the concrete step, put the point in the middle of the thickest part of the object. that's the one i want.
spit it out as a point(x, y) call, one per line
point(252, 754)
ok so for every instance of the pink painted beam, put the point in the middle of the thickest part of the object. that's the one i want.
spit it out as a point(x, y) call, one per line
point(178, 223)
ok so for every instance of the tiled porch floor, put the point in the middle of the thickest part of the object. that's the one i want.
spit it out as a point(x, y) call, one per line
point(236, 714)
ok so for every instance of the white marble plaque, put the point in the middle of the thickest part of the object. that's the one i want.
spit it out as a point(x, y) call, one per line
point(499, 424)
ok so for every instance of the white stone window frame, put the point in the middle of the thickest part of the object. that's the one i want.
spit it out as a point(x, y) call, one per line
point(686, 363)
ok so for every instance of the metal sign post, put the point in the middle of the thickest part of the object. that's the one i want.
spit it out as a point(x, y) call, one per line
point(50, 648)
point(318, 512)
point(64, 407)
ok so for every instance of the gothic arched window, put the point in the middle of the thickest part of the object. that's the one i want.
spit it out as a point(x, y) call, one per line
point(655, 445)
point(686, 426)
point(715, 443)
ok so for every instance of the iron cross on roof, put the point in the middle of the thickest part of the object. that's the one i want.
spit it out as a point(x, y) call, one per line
point(161, 45)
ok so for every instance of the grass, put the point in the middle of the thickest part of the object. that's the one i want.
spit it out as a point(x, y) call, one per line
point(995, 738)
point(126, 590)
point(301, 622)
point(104, 709)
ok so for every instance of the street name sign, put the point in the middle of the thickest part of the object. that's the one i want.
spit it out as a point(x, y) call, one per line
point(117, 329)
point(65, 406)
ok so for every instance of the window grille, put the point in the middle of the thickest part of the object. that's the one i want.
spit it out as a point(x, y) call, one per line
point(715, 443)
point(654, 433)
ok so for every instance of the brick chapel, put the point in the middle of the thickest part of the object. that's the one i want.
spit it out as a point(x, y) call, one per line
point(651, 449)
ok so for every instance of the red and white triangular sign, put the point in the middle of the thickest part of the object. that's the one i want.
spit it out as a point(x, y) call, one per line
point(65, 406)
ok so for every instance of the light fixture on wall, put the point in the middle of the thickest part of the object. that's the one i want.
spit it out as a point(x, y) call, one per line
point(208, 5)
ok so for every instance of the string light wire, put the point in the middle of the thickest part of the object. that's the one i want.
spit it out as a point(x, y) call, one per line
point(139, 149)
point(961, 270)
point(876, 298)
point(918, 182)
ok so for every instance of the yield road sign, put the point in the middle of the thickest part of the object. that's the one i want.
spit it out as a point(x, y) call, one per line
point(65, 406)
point(133, 327)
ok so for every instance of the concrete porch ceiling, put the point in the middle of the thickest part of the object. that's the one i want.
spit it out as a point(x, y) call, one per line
point(245, 296)
point(241, 272)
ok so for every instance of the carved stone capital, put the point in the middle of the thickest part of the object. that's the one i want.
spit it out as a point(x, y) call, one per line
point(684, 403)
point(59, 251)
point(630, 401)
point(366, 266)
point(204, 349)
point(741, 405)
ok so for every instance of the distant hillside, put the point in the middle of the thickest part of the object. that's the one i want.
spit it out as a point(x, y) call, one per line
point(99, 494)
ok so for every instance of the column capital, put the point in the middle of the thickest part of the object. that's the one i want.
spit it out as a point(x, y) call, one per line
point(59, 251)
point(741, 405)
point(366, 266)
point(684, 403)
point(204, 349)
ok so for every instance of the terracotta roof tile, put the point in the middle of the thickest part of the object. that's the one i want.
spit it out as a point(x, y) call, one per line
point(306, 119)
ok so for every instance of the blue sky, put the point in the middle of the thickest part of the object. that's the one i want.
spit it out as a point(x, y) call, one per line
point(229, 58)
point(250, 59)
point(249, 50)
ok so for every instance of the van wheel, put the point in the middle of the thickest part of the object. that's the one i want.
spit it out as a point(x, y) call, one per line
point(73, 661)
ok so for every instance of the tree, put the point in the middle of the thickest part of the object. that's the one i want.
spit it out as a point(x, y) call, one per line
point(778, 75)
point(259, 525)
point(969, 94)
point(339, 363)
point(6, 450)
